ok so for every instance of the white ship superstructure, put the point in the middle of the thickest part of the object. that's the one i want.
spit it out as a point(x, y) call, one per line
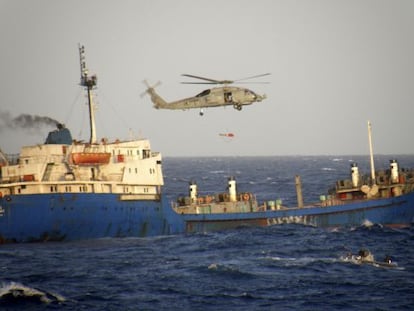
point(127, 167)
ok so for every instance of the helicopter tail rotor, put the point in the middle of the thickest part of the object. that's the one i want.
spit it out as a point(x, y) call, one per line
point(149, 87)
point(156, 99)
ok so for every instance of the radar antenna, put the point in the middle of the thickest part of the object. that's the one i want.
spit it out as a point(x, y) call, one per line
point(89, 83)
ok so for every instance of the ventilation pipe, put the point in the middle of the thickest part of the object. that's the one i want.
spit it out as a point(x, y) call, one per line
point(299, 195)
point(394, 172)
point(193, 191)
point(354, 175)
point(232, 189)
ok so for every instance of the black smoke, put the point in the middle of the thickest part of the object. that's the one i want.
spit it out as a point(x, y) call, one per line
point(25, 121)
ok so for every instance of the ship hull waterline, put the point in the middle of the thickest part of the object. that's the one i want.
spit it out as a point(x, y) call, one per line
point(66, 217)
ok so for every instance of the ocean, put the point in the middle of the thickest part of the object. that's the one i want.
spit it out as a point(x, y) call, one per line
point(283, 267)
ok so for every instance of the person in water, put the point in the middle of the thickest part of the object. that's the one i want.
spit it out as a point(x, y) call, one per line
point(388, 259)
point(365, 255)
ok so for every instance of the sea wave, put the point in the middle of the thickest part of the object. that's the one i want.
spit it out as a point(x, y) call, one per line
point(17, 293)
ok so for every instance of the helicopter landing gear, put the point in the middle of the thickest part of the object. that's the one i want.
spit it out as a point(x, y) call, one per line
point(237, 106)
point(201, 112)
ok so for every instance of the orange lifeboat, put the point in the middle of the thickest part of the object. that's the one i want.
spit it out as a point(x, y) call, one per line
point(86, 158)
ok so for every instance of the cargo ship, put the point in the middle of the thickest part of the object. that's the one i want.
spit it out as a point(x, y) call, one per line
point(385, 200)
point(65, 190)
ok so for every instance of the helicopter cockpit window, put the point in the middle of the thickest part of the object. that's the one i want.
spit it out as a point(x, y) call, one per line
point(248, 92)
point(204, 93)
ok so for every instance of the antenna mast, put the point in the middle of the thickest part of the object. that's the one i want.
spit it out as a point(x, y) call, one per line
point(371, 154)
point(89, 83)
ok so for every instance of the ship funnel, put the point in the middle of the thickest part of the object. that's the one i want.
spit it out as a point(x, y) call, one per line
point(232, 189)
point(59, 136)
point(394, 171)
point(193, 191)
point(354, 175)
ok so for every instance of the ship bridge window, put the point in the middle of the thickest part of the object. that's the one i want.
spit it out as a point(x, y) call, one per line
point(146, 153)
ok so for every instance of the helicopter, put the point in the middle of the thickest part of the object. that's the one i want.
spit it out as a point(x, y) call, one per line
point(214, 97)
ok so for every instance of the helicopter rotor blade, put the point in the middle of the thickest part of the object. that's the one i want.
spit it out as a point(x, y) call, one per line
point(198, 83)
point(257, 82)
point(252, 77)
point(264, 82)
point(212, 81)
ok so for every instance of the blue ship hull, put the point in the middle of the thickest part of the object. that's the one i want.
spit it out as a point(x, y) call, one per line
point(63, 217)
point(390, 212)
point(57, 217)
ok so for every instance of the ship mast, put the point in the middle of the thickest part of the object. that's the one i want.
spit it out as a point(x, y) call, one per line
point(371, 154)
point(89, 83)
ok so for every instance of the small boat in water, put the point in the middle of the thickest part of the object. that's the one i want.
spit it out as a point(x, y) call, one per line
point(364, 256)
point(69, 190)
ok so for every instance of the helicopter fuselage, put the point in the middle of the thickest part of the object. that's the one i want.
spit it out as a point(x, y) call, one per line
point(214, 97)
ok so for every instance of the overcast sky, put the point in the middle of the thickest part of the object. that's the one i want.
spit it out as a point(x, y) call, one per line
point(334, 65)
